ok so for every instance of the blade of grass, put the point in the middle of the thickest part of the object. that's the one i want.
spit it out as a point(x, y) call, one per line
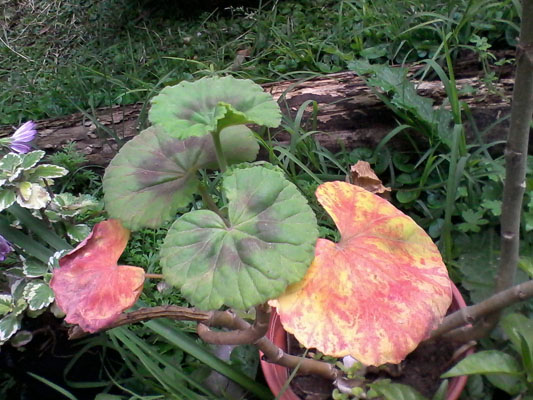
point(291, 157)
point(188, 345)
point(159, 374)
point(26, 244)
point(38, 227)
point(58, 388)
point(290, 378)
point(456, 166)
point(91, 344)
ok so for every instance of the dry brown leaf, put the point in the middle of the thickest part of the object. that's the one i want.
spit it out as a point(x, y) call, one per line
point(362, 174)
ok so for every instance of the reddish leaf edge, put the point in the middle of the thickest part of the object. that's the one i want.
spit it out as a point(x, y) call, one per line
point(90, 287)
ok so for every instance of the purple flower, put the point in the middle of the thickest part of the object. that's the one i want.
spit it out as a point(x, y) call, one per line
point(22, 136)
point(5, 248)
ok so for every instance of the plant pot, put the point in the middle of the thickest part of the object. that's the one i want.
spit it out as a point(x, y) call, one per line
point(276, 375)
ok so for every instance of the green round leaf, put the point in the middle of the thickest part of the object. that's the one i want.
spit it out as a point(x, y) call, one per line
point(209, 104)
point(404, 196)
point(154, 174)
point(268, 243)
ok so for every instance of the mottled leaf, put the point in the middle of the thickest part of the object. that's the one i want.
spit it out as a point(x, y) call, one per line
point(9, 325)
point(78, 232)
point(20, 305)
point(45, 171)
point(267, 244)
point(34, 268)
point(7, 197)
point(32, 195)
point(6, 303)
point(38, 295)
point(9, 166)
point(154, 174)
point(68, 205)
point(89, 286)
point(53, 261)
point(209, 104)
point(485, 362)
point(30, 159)
point(374, 295)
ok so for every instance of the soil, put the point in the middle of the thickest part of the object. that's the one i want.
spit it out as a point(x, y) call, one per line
point(47, 356)
point(421, 370)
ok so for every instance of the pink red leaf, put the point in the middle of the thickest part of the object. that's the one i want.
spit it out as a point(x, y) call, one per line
point(89, 286)
point(374, 295)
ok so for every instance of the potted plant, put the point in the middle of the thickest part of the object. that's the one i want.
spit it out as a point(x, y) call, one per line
point(252, 241)
point(277, 376)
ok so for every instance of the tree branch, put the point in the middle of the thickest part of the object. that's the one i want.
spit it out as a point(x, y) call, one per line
point(472, 314)
point(515, 165)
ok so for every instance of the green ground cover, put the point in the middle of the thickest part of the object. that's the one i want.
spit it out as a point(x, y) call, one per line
point(58, 56)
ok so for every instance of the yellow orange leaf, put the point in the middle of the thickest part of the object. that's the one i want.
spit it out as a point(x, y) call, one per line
point(90, 288)
point(374, 295)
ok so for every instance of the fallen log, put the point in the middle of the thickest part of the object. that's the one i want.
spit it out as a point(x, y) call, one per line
point(349, 114)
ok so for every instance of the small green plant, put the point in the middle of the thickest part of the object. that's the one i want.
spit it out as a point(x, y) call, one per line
point(29, 208)
point(251, 239)
point(510, 371)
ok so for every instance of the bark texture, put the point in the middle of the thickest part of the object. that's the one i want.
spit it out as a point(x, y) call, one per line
point(348, 113)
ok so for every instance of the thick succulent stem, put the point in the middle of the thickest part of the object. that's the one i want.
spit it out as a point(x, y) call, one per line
point(241, 332)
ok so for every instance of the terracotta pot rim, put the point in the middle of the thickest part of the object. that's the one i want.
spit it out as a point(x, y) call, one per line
point(277, 375)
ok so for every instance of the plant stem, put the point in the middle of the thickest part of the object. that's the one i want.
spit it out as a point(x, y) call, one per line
point(515, 169)
point(211, 205)
point(219, 152)
point(154, 276)
point(238, 336)
point(226, 319)
point(176, 313)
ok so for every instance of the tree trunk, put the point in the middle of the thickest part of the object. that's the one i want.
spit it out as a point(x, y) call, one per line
point(348, 113)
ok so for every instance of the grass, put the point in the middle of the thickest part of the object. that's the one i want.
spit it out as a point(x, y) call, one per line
point(60, 55)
